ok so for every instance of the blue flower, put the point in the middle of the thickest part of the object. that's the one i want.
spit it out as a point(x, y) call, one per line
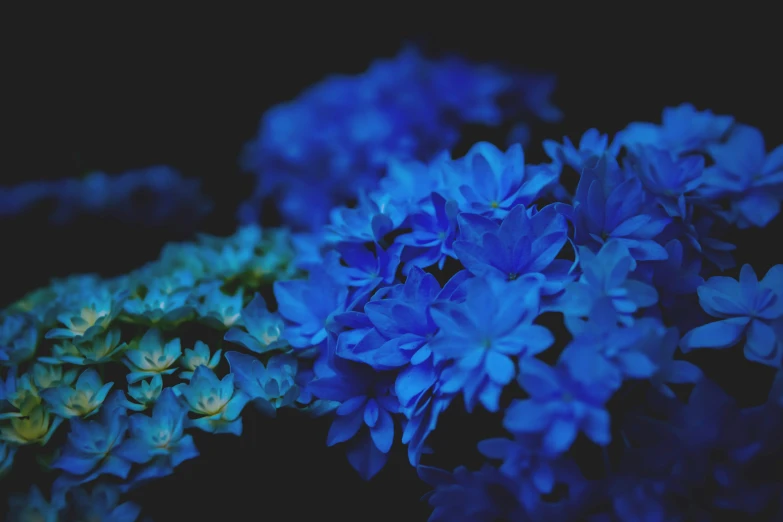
point(491, 183)
point(93, 317)
point(559, 407)
point(521, 244)
point(592, 145)
point(481, 334)
point(160, 304)
point(605, 277)
point(269, 387)
point(82, 400)
point(400, 325)
point(34, 426)
point(603, 351)
point(20, 393)
point(671, 180)
point(217, 402)
point(103, 503)
point(526, 463)
point(432, 235)
point(216, 308)
point(365, 399)
point(418, 388)
point(150, 356)
point(746, 308)
point(607, 205)
point(683, 129)
point(198, 356)
point(91, 450)
point(262, 330)
point(308, 305)
point(98, 350)
point(18, 337)
point(46, 376)
point(159, 441)
point(748, 176)
point(364, 269)
point(145, 393)
point(660, 350)
point(33, 507)
point(373, 218)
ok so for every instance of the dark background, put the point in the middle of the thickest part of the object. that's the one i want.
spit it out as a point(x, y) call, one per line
point(137, 90)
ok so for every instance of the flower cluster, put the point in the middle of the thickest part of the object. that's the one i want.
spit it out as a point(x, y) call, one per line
point(163, 196)
point(407, 107)
point(438, 286)
point(442, 287)
point(57, 343)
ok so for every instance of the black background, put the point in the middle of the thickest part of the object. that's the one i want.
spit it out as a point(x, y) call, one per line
point(91, 93)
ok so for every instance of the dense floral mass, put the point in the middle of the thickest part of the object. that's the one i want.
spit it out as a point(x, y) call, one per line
point(405, 108)
point(439, 288)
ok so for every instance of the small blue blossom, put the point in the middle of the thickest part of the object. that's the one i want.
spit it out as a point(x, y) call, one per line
point(198, 356)
point(483, 333)
point(366, 270)
point(261, 330)
point(91, 450)
point(19, 337)
point(93, 317)
point(308, 306)
point(606, 277)
point(46, 376)
point(559, 407)
point(592, 145)
point(151, 356)
point(145, 393)
point(608, 205)
point(269, 387)
point(18, 393)
point(671, 180)
point(522, 244)
point(159, 441)
point(749, 309)
point(98, 350)
point(35, 426)
point(526, 463)
point(603, 351)
point(160, 305)
point(374, 217)
point(82, 400)
point(489, 182)
point(683, 129)
point(399, 326)
point(216, 401)
point(432, 235)
point(748, 176)
point(216, 308)
point(364, 400)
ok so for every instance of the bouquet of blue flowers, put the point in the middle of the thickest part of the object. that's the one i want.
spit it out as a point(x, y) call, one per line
point(406, 282)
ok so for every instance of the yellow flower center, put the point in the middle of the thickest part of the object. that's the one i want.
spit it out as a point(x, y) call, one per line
point(80, 403)
point(33, 427)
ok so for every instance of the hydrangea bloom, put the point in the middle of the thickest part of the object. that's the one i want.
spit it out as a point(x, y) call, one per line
point(216, 402)
point(466, 283)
